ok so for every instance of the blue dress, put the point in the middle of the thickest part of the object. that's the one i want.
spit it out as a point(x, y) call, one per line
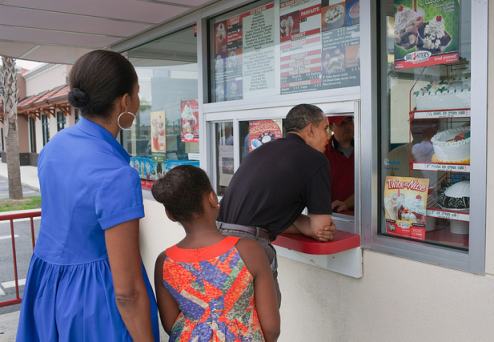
point(87, 186)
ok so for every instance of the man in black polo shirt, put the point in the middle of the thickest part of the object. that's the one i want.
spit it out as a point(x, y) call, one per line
point(275, 182)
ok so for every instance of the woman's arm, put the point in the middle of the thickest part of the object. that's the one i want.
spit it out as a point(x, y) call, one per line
point(122, 243)
point(265, 295)
point(167, 306)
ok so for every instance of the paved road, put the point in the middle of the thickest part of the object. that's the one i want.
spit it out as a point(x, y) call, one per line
point(4, 189)
point(24, 250)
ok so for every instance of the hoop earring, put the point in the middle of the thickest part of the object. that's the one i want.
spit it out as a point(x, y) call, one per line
point(118, 121)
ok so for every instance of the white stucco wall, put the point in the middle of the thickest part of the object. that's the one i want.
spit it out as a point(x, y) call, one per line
point(45, 78)
point(39, 136)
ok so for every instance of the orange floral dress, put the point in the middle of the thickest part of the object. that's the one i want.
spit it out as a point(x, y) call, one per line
point(215, 293)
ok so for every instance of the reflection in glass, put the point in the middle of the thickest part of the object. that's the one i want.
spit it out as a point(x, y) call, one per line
point(166, 130)
point(224, 155)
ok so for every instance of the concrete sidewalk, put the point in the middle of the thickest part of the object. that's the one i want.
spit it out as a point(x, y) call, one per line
point(29, 175)
point(8, 326)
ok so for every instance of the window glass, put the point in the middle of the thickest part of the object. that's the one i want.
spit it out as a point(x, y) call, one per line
point(256, 133)
point(225, 166)
point(284, 47)
point(166, 130)
point(32, 134)
point(45, 129)
point(425, 120)
point(60, 121)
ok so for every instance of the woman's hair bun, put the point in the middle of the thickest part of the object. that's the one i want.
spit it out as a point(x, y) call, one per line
point(78, 98)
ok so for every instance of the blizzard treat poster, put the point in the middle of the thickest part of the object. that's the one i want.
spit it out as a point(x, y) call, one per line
point(263, 131)
point(158, 132)
point(426, 32)
point(405, 206)
point(258, 39)
point(233, 62)
point(189, 121)
point(300, 46)
point(340, 43)
point(220, 53)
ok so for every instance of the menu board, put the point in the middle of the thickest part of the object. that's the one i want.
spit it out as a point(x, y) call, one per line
point(319, 45)
point(263, 131)
point(244, 54)
point(158, 132)
point(189, 121)
point(340, 44)
point(405, 206)
point(426, 32)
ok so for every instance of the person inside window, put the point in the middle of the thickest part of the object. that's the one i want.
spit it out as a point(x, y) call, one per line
point(340, 153)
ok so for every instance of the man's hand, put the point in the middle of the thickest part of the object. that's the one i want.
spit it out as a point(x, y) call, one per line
point(339, 206)
point(318, 227)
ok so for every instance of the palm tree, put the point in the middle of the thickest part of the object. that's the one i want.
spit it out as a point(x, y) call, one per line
point(10, 126)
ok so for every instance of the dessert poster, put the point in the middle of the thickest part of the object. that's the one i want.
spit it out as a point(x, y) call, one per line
point(405, 206)
point(158, 132)
point(263, 131)
point(189, 120)
point(300, 45)
point(426, 32)
point(340, 43)
point(244, 54)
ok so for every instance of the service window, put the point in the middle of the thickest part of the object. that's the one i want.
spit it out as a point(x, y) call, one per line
point(241, 132)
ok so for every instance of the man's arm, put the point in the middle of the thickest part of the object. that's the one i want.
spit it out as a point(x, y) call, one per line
point(318, 227)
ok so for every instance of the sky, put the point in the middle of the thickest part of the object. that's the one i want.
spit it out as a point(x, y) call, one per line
point(20, 63)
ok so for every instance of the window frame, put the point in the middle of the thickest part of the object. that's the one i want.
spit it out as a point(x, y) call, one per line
point(472, 260)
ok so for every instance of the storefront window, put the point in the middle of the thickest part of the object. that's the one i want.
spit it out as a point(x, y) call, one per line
point(425, 121)
point(224, 146)
point(285, 47)
point(166, 130)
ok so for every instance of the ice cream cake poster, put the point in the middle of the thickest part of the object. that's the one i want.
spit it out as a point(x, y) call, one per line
point(426, 32)
point(263, 131)
point(405, 206)
point(189, 120)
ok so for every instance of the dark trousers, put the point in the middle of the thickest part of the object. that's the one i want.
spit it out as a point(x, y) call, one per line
point(268, 248)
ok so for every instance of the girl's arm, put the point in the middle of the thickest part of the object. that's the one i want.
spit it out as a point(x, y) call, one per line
point(167, 306)
point(265, 295)
point(122, 243)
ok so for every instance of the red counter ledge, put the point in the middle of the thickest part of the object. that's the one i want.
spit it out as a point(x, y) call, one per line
point(342, 241)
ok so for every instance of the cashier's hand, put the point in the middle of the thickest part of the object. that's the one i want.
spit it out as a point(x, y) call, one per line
point(339, 206)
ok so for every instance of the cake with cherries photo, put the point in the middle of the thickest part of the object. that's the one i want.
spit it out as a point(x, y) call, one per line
point(452, 146)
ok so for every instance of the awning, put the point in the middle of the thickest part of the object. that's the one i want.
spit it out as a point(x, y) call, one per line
point(48, 102)
point(59, 31)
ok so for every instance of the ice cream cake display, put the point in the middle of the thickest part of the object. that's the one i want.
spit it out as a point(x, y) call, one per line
point(452, 146)
point(455, 196)
point(443, 95)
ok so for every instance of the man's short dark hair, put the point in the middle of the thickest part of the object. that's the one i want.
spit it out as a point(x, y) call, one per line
point(301, 115)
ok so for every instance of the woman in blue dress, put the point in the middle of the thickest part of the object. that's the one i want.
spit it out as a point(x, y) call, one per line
point(86, 281)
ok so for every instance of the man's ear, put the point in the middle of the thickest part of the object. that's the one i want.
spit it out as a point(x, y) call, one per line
point(170, 216)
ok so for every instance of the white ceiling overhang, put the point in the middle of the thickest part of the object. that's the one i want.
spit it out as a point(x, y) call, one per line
point(59, 31)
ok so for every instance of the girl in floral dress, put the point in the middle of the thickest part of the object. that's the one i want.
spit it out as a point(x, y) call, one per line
point(210, 287)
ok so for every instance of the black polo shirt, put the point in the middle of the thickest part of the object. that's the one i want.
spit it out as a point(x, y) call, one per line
point(275, 183)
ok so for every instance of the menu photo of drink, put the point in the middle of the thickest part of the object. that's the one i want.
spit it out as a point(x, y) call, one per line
point(405, 206)
point(189, 120)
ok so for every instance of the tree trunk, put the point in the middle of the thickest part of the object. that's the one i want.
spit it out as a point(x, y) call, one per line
point(10, 123)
